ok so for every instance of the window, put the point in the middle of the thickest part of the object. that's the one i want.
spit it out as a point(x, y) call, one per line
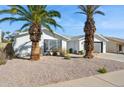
point(51, 45)
point(120, 47)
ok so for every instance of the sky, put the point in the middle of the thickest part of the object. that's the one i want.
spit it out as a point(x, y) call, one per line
point(112, 24)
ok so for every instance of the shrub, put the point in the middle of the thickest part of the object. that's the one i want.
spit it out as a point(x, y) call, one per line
point(67, 57)
point(70, 50)
point(9, 51)
point(54, 53)
point(63, 52)
point(80, 52)
point(2, 57)
point(102, 70)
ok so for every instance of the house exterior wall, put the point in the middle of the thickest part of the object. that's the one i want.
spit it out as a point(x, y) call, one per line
point(113, 47)
point(22, 45)
point(74, 44)
point(78, 45)
point(96, 40)
point(81, 45)
point(123, 48)
point(104, 47)
point(64, 45)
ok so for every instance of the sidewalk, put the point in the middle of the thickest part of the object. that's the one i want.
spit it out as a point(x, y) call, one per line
point(111, 56)
point(112, 79)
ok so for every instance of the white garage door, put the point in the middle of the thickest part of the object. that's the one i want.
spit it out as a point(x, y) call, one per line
point(97, 47)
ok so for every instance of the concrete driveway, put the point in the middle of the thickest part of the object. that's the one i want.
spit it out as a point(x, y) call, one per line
point(111, 56)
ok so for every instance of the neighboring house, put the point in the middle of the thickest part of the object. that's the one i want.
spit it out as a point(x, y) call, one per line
point(49, 41)
point(76, 44)
point(115, 45)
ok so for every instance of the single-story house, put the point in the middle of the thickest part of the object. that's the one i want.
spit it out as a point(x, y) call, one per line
point(49, 41)
point(76, 43)
point(115, 45)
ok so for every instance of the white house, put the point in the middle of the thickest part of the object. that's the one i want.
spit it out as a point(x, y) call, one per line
point(49, 41)
point(76, 43)
point(115, 45)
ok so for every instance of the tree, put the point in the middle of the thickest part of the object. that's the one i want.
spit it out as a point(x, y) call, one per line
point(35, 17)
point(89, 28)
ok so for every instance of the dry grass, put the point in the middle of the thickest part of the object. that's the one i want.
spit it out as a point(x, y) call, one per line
point(19, 72)
point(2, 57)
point(2, 45)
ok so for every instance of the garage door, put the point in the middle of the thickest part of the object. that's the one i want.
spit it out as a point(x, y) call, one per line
point(98, 47)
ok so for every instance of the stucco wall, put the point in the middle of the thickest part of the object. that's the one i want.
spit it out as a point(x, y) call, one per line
point(111, 47)
point(104, 47)
point(64, 45)
point(78, 45)
point(123, 49)
point(74, 44)
point(81, 45)
point(22, 46)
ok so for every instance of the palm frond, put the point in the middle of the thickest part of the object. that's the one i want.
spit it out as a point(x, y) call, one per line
point(5, 11)
point(49, 28)
point(99, 12)
point(90, 10)
point(18, 19)
point(25, 25)
point(7, 19)
point(37, 14)
point(95, 7)
point(83, 8)
point(81, 13)
point(53, 13)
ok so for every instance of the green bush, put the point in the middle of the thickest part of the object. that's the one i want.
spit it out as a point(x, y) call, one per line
point(102, 70)
point(70, 50)
point(80, 52)
point(2, 57)
point(67, 57)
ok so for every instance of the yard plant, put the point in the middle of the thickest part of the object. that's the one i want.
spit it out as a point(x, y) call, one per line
point(102, 70)
point(35, 18)
point(2, 56)
point(89, 28)
point(67, 56)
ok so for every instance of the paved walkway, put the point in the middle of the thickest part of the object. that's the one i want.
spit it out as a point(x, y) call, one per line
point(111, 56)
point(112, 79)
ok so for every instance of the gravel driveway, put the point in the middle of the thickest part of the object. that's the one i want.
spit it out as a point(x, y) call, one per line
point(19, 72)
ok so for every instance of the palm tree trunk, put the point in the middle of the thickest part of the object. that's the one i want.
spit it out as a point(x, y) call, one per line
point(35, 36)
point(89, 37)
point(35, 51)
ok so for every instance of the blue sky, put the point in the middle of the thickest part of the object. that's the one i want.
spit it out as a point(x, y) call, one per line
point(112, 24)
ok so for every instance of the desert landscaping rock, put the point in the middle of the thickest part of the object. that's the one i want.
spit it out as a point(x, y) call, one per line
point(51, 69)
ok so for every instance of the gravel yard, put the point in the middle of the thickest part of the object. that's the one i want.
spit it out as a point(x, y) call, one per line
point(49, 69)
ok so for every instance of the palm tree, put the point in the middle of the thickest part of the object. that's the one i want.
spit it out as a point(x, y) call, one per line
point(89, 28)
point(35, 17)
